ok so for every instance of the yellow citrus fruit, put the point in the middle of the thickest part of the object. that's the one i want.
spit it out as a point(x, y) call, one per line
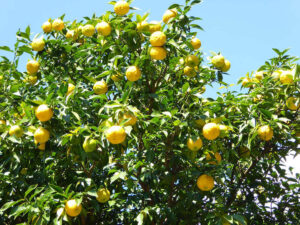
point(89, 145)
point(196, 43)
point(116, 77)
point(31, 79)
point(70, 34)
point(115, 135)
point(41, 146)
point(217, 157)
point(100, 87)
point(154, 26)
point(133, 73)
point(211, 131)
point(218, 61)
point(244, 152)
point(265, 132)
point(226, 66)
point(58, 25)
point(71, 88)
point(41, 135)
point(223, 130)
point(276, 74)
point(121, 8)
point(192, 60)
point(43, 113)
point(72, 208)
point(23, 171)
point(88, 30)
point(286, 77)
point(189, 71)
point(131, 119)
point(158, 39)
point(259, 75)
point(246, 81)
point(142, 26)
point(200, 123)
point(38, 44)
point(47, 27)
point(291, 103)
point(16, 130)
point(194, 145)
point(205, 182)
point(158, 53)
point(103, 195)
point(2, 122)
point(170, 13)
point(32, 67)
point(103, 28)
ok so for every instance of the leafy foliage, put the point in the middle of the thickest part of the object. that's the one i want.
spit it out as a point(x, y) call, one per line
point(152, 175)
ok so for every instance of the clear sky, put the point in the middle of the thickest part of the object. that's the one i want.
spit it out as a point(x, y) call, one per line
point(245, 31)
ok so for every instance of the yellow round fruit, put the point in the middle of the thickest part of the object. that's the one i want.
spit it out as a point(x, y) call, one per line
point(265, 132)
point(88, 30)
point(226, 66)
point(38, 44)
point(103, 195)
point(189, 71)
point(31, 79)
point(16, 130)
point(192, 60)
point(103, 28)
point(70, 34)
point(41, 135)
point(200, 123)
point(2, 122)
point(223, 130)
point(286, 77)
point(217, 158)
point(291, 103)
point(154, 26)
point(43, 113)
point(116, 77)
point(100, 87)
point(133, 73)
point(196, 43)
point(205, 182)
point(259, 75)
point(89, 145)
point(158, 53)
point(58, 25)
point(23, 171)
point(71, 88)
point(121, 8)
point(41, 146)
point(170, 13)
point(218, 61)
point(276, 74)
point(32, 67)
point(244, 152)
point(158, 39)
point(115, 135)
point(131, 119)
point(142, 26)
point(47, 27)
point(194, 146)
point(246, 81)
point(211, 131)
point(72, 208)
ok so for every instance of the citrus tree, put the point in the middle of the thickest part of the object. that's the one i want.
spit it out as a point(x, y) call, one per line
point(107, 124)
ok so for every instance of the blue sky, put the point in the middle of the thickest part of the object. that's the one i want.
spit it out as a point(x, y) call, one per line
point(244, 31)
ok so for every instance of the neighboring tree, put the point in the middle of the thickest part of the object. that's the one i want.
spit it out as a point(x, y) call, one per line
point(109, 126)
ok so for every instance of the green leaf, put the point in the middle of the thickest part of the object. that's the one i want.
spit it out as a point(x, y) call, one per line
point(5, 48)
